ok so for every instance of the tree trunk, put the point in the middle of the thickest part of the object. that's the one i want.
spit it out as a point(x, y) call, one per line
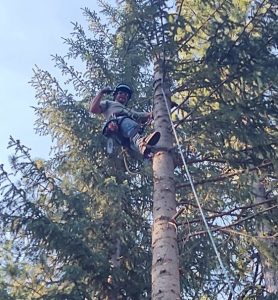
point(165, 262)
point(267, 248)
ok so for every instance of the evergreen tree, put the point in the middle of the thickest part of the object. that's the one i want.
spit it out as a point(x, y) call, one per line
point(228, 114)
point(81, 224)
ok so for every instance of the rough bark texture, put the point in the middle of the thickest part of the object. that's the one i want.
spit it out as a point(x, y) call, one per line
point(267, 248)
point(165, 263)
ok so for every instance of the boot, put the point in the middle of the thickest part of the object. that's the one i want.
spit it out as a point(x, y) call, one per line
point(143, 144)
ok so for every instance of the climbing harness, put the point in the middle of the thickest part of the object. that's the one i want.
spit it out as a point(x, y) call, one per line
point(224, 270)
point(111, 130)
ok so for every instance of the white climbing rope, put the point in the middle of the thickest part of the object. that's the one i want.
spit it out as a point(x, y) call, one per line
point(224, 270)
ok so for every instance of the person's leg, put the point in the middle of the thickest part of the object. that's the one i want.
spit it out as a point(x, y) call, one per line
point(129, 129)
point(144, 144)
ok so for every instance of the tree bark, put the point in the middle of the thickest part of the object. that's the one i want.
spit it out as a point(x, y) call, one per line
point(266, 248)
point(165, 262)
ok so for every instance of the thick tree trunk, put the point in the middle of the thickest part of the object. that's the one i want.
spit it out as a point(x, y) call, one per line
point(165, 263)
point(267, 248)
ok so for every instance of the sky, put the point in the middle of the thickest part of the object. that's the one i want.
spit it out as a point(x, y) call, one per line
point(30, 32)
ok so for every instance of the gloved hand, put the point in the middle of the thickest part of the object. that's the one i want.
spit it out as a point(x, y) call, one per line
point(106, 90)
point(150, 118)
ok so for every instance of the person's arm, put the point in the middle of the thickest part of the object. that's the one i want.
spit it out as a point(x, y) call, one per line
point(95, 102)
point(143, 117)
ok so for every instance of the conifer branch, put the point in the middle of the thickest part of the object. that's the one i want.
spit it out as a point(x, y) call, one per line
point(201, 27)
point(225, 176)
point(227, 228)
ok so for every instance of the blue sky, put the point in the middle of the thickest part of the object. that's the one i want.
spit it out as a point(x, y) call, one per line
point(30, 32)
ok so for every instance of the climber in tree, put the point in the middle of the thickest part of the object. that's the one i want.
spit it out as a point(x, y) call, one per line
point(122, 123)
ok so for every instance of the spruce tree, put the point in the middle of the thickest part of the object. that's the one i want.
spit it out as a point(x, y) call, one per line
point(86, 222)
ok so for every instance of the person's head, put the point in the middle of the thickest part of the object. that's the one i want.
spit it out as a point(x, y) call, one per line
point(122, 93)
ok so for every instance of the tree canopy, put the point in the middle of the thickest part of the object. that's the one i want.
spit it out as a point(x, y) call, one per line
point(78, 225)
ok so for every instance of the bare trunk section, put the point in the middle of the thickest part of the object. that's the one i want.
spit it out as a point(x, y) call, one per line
point(266, 248)
point(165, 263)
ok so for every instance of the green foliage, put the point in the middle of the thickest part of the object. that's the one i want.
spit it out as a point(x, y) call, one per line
point(79, 226)
point(229, 117)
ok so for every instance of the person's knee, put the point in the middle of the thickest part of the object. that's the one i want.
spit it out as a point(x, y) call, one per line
point(129, 128)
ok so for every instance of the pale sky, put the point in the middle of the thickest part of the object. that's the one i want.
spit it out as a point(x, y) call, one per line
point(30, 32)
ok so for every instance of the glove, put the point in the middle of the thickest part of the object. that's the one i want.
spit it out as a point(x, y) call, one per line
point(106, 90)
